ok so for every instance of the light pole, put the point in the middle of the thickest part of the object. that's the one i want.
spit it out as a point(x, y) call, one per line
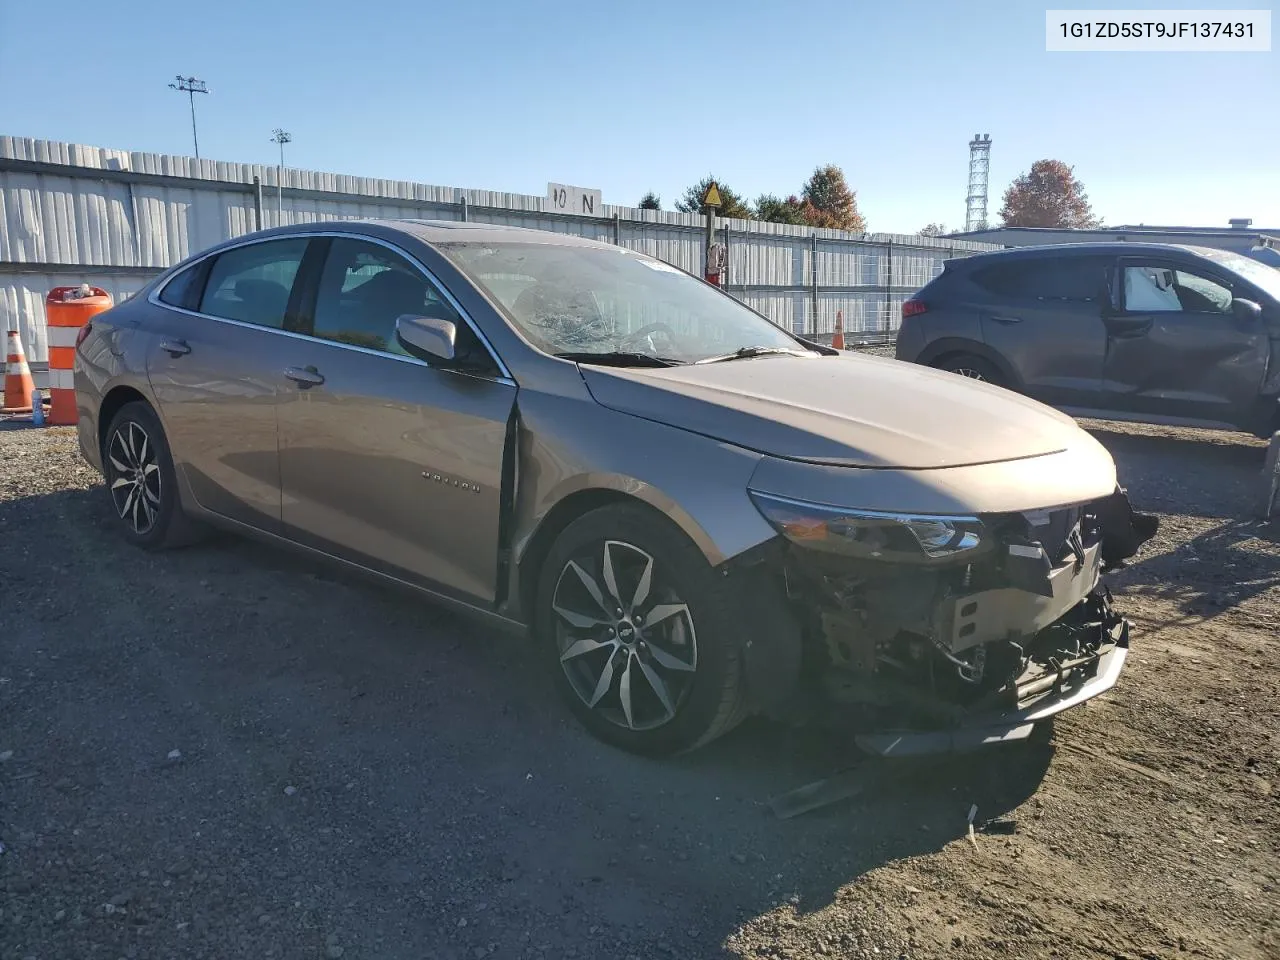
point(190, 86)
point(281, 137)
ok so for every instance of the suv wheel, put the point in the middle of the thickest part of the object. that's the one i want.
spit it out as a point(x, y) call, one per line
point(973, 367)
point(640, 632)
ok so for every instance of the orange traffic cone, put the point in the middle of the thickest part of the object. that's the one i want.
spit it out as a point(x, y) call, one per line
point(837, 338)
point(18, 385)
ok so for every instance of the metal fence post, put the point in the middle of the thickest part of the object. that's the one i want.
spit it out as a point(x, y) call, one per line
point(888, 285)
point(724, 282)
point(617, 229)
point(257, 204)
point(813, 282)
point(462, 209)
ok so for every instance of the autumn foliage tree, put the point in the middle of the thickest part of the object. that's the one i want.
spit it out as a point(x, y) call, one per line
point(732, 205)
point(827, 201)
point(1047, 196)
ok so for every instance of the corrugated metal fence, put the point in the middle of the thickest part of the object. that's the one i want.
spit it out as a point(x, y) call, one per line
point(72, 214)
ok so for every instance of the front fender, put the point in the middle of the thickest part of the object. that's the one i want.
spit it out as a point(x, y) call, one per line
point(699, 483)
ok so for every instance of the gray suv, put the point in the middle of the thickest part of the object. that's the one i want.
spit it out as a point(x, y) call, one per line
point(1123, 331)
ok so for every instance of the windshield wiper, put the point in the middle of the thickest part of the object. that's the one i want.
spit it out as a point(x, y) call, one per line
point(620, 358)
point(745, 353)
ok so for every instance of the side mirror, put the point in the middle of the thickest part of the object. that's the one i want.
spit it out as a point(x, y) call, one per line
point(427, 338)
point(1246, 311)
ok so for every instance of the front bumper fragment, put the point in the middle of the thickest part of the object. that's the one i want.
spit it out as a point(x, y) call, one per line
point(1015, 723)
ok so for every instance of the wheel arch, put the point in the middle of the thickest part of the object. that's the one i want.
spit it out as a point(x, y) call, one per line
point(532, 549)
point(940, 350)
point(112, 402)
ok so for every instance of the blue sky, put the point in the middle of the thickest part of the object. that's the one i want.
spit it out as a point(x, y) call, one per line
point(628, 97)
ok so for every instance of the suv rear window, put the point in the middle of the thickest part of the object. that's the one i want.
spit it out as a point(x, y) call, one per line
point(1079, 279)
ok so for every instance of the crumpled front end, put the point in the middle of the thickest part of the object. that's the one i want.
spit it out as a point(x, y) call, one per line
point(923, 653)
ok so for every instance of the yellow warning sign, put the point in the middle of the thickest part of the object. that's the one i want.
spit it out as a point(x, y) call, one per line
point(712, 197)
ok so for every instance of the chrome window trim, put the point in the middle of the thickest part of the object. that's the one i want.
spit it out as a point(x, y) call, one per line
point(154, 299)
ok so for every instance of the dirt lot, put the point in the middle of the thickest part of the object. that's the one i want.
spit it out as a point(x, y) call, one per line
point(225, 752)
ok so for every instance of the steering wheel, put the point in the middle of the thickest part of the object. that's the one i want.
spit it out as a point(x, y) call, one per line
point(647, 331)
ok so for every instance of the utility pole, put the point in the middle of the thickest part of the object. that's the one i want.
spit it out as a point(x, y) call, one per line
point(281, 137)
point(190, 86)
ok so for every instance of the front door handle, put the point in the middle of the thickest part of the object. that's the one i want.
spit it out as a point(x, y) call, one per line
point(1007, 320)
point(304, 376)
point(175, 348)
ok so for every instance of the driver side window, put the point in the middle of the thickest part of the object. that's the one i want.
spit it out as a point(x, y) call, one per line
point(364, 288)
point(1160, 289)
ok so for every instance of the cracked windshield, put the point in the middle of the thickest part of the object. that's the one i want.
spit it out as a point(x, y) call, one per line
point(587, 301)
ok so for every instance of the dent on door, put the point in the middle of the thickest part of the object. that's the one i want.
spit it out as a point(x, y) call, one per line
point(1186, 363)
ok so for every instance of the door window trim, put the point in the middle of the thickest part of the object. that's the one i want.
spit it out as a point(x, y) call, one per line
point(504, 373)
point(1174, 264)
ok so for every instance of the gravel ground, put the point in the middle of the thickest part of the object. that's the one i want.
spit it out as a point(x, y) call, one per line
point(224, 752)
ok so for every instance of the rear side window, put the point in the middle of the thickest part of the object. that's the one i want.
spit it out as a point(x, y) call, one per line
point(252, 283)
point(182, 290)
point(1068, 279)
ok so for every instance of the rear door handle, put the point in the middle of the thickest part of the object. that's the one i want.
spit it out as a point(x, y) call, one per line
point(304, 376)
point(175, 348)
point(1007, 319)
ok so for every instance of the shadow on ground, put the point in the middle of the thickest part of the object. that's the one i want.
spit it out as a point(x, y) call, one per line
point(1219, 473)
point(355, 760)
point(1224, 568)
point(1228, 558)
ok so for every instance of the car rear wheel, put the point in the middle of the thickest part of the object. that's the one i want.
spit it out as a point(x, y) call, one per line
point(641, 633)
point(973, 367)
point(141, 483)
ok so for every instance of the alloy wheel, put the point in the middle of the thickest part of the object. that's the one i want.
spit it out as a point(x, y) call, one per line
point(969, 372)
point(135, 488)
point(625, 637)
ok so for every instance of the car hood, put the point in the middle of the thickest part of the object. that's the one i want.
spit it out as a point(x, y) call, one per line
point(845, 410)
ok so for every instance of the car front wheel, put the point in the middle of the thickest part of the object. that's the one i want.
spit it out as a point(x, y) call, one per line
point(140, 480)
point(641, 632)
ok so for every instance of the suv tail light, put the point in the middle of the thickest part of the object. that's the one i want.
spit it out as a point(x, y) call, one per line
point(84, 332)
point(912, 307)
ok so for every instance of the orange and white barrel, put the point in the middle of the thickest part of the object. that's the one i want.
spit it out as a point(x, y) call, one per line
point(67, 310)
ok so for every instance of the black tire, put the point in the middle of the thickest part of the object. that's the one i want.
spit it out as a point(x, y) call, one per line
point(972, 366)
point(709, 700)
point(150, 515)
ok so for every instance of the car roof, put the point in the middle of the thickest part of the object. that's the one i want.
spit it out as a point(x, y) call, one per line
point(438, 232)
point(1106, 248)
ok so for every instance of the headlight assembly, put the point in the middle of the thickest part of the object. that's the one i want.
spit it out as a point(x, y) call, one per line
point(869, 534)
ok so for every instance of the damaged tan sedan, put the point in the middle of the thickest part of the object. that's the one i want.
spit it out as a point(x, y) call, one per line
point(697, 515)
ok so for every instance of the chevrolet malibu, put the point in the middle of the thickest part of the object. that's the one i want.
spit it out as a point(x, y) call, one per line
point(695, 514)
